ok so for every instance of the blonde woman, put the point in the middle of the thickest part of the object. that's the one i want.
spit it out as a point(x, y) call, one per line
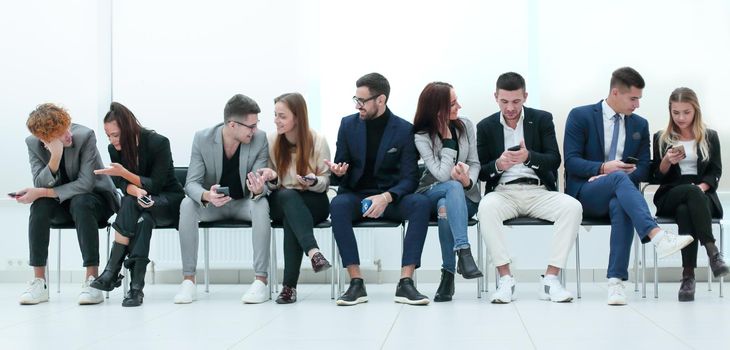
point(687, 164)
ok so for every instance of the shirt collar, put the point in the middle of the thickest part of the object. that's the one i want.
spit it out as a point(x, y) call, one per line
point(608, 112)
point(519, 121)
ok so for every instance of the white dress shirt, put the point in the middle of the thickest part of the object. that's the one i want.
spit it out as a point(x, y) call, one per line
point(513, 137)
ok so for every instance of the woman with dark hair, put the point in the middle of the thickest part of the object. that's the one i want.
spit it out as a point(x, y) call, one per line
point(688, 166)
point(142, 169)
point(299, 198)
point(447, 144)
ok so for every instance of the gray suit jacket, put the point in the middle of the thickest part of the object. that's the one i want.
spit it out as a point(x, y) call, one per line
point(439, 160)
point(206, 161)
point(80, 160)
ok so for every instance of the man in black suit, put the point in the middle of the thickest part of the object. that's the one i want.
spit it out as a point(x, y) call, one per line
point(519, 155)
point(376, 162)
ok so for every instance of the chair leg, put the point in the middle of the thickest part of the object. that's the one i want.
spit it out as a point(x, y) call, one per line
point(58, 273)
point(643, 271)
point(47, 279)
point(479, 263)
point(485, 262)
point(577, 262)
point(636, 263)
point(335, 267)
point(206, 252)
point(709, 278)
point(108, 249)
point(656, 275)
point(722, 235)
point(274, 281)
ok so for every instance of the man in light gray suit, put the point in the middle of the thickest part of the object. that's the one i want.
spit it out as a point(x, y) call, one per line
point(63, 157)
point(224, 183)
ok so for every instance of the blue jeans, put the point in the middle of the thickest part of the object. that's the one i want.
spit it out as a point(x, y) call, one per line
point(452, 226)
point(617, 197)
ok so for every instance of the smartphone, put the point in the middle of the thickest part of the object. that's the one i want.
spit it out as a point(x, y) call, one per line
point(514, 148)
point(631, 160)
point(224, 190)
point(15, 194)
point(310, 178)
point(147, 200)
point(679, 148)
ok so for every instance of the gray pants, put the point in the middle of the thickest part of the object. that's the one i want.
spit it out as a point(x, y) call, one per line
point(256, 211)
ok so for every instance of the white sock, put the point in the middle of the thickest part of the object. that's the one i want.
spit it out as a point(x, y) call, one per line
point(658, 236)
point(551, 277)
point(614, 280)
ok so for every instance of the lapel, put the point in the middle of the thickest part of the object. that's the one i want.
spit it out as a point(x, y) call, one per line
point(359, 140)
point(498, 136)
point(701, 166)
point(528, 128)
point(218, 152)
point(388, 135)
point(70, 158)
point(630, 143)
point(598, 123)
point(243, 166)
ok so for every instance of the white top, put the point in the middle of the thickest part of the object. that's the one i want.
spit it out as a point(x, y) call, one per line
point(608, 114)
point(688, 165)
point(513, 137)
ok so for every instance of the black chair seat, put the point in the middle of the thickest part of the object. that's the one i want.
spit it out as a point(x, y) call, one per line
point(526, 221)
point(596, 222)
point(672, 221)
point(228, 223)
point(71, 226)
point(471, 222)
point(375, 223)
point(323, 224)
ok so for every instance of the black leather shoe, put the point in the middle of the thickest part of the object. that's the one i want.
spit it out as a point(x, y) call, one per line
point(406, 293)
point(446, 287)
point(466, 265)
point(687, 289)
point(355, 294)
point(137, 269)
point(288, 295)
point(718, 266)
point(110, 278)
point(319, 262)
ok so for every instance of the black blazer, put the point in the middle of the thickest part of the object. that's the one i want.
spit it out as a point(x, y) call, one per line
point(540, 141)
point(156, 170)
point(709, 172)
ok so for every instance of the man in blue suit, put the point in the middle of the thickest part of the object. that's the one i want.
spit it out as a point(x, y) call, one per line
point(376, 164)
point(606, 150)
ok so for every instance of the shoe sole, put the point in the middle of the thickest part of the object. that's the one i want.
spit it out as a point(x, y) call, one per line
point(547, 297)
point(671, 252)
point(617, 303)
point(500, 301)
point(721, 274)
point(686, 298)
point(33, 303)
point(404, 300)
point(350, 303)
point(91, 302)
point(323, 269)
point(254, 301)
point(183, 301)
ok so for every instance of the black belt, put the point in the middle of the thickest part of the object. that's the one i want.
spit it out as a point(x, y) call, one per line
point(524, 181)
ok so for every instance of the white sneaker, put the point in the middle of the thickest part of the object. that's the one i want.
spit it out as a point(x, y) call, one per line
point(187, 293)
point(88, 295)
point(671, 243)
point(616, 292)
point(505, 289)
point(257, 293)
point(37, 292)
point(551, 289)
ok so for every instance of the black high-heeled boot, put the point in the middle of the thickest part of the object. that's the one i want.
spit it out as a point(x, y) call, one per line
point(717, 264)
point(111, 278)
point(466, 265)
point(446, 288)
point(137, 269)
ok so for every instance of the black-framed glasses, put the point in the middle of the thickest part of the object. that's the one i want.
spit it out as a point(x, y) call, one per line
point(253, 126)
point(361, 101)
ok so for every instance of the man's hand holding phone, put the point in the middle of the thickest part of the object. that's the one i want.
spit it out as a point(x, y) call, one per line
point(218, 196)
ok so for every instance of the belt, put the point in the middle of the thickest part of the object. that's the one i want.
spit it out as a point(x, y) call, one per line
point(524, 181)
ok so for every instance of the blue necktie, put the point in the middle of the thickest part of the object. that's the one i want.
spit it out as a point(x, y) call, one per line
point(614, 138)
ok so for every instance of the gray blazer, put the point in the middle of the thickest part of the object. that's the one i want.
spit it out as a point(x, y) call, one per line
point(439, 160)
point(206, 160)
point(80, 160)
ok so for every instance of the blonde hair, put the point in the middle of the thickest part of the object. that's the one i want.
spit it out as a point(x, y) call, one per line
point(670, 135)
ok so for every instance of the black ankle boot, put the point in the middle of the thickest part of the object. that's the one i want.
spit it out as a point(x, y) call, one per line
point(111, 278)
point(717, 264)
point(137, 269)
point(687, 289)
point(466, 265)
point(446, 287)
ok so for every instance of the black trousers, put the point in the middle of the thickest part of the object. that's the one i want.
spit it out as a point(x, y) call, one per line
point(86, 211)
point(693, 211)
point(298, 211)
point(137, 223)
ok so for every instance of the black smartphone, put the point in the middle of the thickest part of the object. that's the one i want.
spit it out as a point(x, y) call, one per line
point(14, 194)
point(224, 190)
point(631, 160)
point(514, 148)
point(147, 200)
point(310, 178)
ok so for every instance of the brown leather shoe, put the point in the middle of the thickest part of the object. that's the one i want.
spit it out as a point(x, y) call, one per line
point(288, 295)
point(319, 262)
point(687, 289)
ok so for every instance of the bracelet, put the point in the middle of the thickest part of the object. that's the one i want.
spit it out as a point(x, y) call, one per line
point(384, 197)
point(600, 170)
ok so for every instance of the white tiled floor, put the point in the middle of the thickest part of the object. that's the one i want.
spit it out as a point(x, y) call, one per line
point(218, 320)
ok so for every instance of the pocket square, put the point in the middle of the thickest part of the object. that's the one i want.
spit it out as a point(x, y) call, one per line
point(392, 150)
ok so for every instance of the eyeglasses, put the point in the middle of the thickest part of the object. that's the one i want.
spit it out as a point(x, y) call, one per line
point(361, 101)
point(253, 126)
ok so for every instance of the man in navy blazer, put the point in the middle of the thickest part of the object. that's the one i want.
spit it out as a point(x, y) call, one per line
point(606, 150)
point(376, 165)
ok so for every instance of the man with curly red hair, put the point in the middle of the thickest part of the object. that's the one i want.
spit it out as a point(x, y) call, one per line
point(63, 157)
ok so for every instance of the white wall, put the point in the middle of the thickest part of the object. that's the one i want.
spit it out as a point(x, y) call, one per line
point(175, 64)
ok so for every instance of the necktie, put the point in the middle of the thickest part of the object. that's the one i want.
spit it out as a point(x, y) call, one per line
point(614, 138)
